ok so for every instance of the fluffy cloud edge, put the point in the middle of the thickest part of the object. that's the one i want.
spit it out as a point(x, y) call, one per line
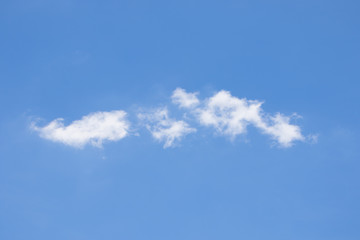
point(184, 99)
point(230, 116)
point(165, 129)
point(93, 129)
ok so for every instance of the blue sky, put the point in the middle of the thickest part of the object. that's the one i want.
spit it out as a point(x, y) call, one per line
point(68, 59)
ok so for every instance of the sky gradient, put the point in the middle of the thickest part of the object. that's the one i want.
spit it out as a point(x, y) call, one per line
point(71, 59)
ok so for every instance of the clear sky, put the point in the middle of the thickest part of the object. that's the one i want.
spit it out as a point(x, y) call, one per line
point(182, 120)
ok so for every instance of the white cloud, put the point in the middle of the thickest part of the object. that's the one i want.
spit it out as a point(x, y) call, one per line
point(230, 116)
point(184, 99)
point(165, 129)
point(282, 131)
point(91, 129)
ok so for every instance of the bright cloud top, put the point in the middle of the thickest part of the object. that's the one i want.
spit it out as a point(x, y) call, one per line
point(92, 129)
point(165, 129)
point(230, 116)
point(184, 99)
point(226, 114)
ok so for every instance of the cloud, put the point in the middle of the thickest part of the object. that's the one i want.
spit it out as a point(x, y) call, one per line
point(92, 129)
point(227, 115)
point(184, 99)
point(165, 129)
point(282, 131)
point(230, 116)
